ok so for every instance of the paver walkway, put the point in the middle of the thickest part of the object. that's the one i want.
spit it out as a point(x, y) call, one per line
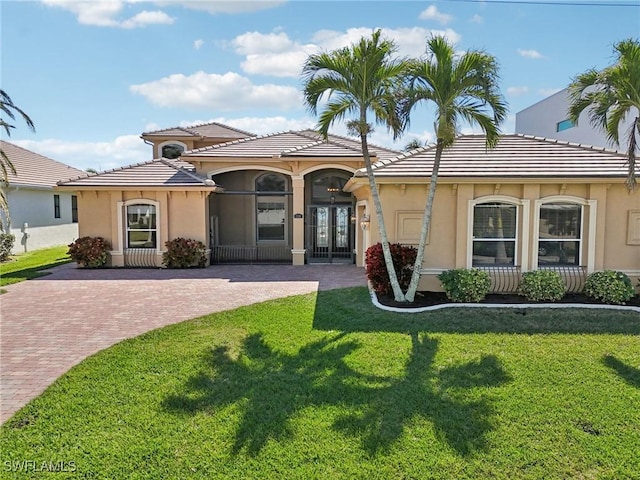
point(50, 324)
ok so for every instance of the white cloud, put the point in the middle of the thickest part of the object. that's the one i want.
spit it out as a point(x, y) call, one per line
point(534, 54)
point(222, 92)
point(278, 55)
point(517, 91)
point(259, 125)
point(432, 13)
point(105, 13)
point(198, 43)
point(477, 19)
point(221, 6)
point(123, 150)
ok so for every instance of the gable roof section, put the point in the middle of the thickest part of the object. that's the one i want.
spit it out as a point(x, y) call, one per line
point(515, 156)
point(154, 173)
point(204, 130)
point(304, 143)
point(33, 169)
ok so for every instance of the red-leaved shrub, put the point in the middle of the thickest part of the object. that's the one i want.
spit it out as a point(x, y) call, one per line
point(403, 256)
point(184, 253)
point(90, 252)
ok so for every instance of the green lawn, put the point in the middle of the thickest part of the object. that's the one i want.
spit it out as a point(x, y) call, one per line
point(326, 386)
point(32, 264)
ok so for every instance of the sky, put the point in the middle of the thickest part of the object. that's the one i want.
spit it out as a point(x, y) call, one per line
point(94, 75)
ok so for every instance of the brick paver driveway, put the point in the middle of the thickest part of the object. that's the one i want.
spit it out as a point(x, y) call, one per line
point(50, 324)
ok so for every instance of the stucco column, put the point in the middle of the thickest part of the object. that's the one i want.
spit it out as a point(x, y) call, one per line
point(597, 192)
point(464, 195)
point(298, 250)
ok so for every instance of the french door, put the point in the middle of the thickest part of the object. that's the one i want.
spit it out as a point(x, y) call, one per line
point(330, 236)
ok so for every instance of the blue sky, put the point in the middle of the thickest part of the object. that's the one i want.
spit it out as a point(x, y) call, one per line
point(94, 75)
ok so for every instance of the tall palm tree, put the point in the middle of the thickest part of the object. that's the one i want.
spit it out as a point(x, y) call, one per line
point(355, 81)
point(461, 87)
point(611, 96)
point(10, 109)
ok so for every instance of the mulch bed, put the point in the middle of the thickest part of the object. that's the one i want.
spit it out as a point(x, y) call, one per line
point(429, 299)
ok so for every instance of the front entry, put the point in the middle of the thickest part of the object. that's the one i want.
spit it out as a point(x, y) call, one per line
point(330, 236)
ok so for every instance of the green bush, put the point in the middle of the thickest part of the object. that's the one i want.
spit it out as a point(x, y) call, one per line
point(609, 286)
point(6, 244)
point(542, 286)
point(184, 253)
point(403, 256)
point(465, 285)
point(90, 252)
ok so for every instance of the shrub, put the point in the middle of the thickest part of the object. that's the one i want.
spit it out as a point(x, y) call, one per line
point(184, 253)
point(465, 285)
point(6, 244)
point(542, 286)
point(609, 286)
point(91, 252)
point(403, 259)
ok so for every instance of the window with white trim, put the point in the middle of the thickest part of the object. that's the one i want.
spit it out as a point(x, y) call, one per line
point(560, 234)
point(494, 234)
point(141, 223)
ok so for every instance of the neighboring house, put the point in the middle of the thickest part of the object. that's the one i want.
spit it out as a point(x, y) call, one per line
point(40, 217)
point(292, 197)
point(549, 119)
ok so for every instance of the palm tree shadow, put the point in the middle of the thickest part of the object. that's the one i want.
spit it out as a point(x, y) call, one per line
point(271, 387)
point(629, 374)
point(438, 396)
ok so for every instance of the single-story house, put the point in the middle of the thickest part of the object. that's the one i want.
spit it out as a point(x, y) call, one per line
point(292, 197)
point(40, 216)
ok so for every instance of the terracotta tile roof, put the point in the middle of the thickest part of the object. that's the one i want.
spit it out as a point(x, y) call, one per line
point(34, 169)
point(207, 130)
point(304, 143)
point(515, 156)
point(154, 173)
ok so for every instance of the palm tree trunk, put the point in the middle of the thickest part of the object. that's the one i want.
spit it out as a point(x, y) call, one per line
point(384, 240)
point(426, 223)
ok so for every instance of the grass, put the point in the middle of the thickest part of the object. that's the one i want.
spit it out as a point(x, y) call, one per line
point(327, 386)
point(32, 264)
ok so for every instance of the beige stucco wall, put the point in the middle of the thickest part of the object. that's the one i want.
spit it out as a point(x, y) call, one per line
point(180, 214)
point(606, 243)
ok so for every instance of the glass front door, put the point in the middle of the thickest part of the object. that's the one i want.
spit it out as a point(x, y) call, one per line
point(330, 234)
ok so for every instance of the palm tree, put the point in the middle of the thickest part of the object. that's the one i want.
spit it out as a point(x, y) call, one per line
point(357, 80)
point(10, 109)
point(612, 95)
point(413, 145)
point(461, 87)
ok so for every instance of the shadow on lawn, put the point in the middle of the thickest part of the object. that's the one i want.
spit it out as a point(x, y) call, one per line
point(271, 387)
point(629, 374)
point(351, 310)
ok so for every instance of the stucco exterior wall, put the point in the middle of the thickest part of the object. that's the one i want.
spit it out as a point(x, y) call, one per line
point(35, 207)
point(610, 231)
point(35, 238)
point(180, 214)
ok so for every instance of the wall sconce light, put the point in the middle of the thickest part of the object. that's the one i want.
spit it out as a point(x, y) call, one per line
point(364, 222)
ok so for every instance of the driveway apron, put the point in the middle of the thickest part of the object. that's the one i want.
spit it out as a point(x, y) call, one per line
point(50, 324)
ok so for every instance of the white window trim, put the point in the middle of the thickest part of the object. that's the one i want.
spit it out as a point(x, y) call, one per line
point(590, 234)
point(121, 206)
point(521, 244)
point(170, 142)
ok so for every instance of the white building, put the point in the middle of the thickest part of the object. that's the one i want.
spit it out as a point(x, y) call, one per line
point(549, 118)
point(40, 216)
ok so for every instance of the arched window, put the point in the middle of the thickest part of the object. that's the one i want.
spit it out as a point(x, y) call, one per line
point(494, 234)
point(271, 208)
point(560, 234)
point(172, 150)
point(141, 225)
